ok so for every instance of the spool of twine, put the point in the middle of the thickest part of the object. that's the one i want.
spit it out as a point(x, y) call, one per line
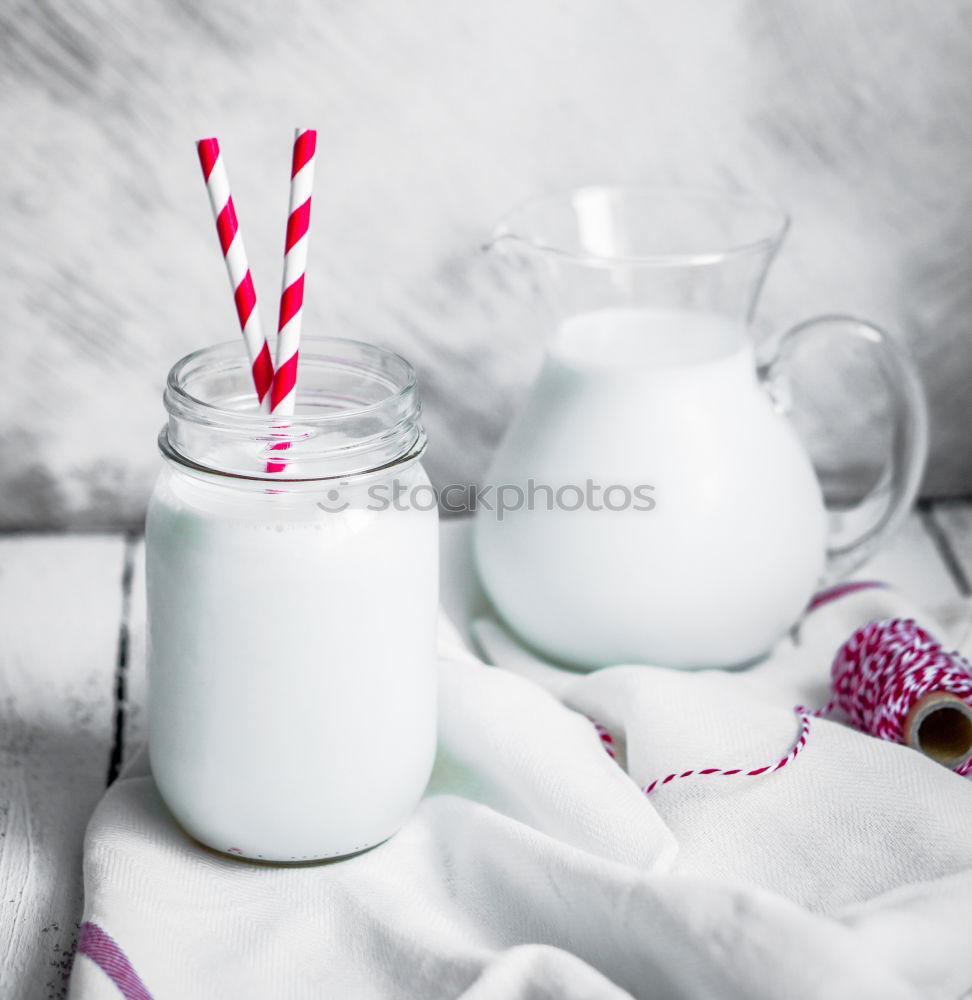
point(896, 682)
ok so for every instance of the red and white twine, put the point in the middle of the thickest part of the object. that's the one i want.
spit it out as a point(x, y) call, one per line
point(878, 676)
point(607, 740)
point(801, 742)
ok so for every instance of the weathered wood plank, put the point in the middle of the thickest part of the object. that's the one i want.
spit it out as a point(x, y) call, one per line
point(60, 600)
point(134, 703)
point(912, 562)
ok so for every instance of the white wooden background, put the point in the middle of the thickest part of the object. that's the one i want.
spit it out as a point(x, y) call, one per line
point(72, 703)
point(434, 117)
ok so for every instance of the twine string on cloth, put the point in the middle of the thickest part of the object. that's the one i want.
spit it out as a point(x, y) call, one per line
point(896, 682)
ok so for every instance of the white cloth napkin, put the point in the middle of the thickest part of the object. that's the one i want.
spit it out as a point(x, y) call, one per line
point(536, 868)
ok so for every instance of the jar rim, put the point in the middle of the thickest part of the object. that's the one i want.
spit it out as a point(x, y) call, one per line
point(233, 355)
point(170, 454)
point(357, 410)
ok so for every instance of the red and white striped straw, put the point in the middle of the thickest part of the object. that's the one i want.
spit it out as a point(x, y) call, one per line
point(283, 392)
point(234, 254)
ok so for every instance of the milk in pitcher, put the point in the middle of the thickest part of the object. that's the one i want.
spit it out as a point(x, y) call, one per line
point(664, 405)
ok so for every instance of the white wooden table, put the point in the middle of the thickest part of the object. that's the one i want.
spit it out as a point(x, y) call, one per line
point(72, 703)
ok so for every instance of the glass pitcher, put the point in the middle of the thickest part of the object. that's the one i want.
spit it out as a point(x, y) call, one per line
point(654, 504)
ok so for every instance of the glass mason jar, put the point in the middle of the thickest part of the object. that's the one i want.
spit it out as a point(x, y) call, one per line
point(292, 597)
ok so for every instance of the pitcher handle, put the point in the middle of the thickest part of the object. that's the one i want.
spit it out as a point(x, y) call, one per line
point(898, 483)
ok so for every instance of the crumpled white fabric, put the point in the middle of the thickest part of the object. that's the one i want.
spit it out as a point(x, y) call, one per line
point(536, 868)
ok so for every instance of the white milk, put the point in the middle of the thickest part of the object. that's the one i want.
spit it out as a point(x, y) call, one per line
point(292, 666)
point(730, 553)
